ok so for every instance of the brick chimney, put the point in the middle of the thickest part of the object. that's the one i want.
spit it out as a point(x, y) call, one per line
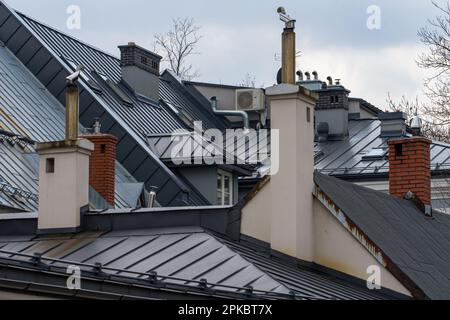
point(140, 70)
point(102, 165)
point(409, 168)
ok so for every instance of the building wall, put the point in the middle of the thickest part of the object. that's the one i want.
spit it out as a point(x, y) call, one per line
point(204, 179)
point(337, 249)
point(334, 247)
point(226, 97)
point(256, 216)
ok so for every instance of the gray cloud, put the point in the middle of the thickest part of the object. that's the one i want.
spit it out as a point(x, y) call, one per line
point(243, 36)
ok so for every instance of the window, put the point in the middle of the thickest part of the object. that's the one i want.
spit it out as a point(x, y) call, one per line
point(224, 188)
point(308, 115)
point(50, 165)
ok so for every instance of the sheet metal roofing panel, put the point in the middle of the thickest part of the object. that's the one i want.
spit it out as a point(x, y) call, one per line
point(348, 157)
point(417, 245)
point(190, 254)
point(143, 118)
point(93, 59)
point(303, 281)
point(28, 109)
point(52, 56)
point(15, 171)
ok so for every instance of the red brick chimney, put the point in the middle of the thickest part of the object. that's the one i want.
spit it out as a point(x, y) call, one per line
point(102, 165)
point(409, 168)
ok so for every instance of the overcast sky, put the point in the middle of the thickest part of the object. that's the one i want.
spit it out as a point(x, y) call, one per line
point(243, 36)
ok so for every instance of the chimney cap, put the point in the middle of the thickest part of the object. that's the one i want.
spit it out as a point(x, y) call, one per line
point(392, 116)
point(142, 49)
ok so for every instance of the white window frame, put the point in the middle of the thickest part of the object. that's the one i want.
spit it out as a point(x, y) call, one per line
point(221, 174)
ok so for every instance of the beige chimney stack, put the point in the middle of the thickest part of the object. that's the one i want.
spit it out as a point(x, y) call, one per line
point(64, 173)
point(292, 113)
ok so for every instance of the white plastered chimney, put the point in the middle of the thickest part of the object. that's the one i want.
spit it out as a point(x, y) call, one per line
point(64, 173)
point(292, 224)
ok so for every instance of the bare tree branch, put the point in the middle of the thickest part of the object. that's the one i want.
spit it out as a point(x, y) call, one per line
point(178, 45)
point(433, 128)
point(436, 112)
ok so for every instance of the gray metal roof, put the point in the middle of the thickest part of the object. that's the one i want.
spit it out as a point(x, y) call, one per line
point(199, 149)
point(352, 157)
point(51, 55)
point(18, 179)
point(144, 118)
point(183, 256)
point(28, 110)
point(415, 249)
point(33, 48)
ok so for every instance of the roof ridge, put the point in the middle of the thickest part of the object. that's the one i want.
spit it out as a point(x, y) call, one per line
point(28, 18)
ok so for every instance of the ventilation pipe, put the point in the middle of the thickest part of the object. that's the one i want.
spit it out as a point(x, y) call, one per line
point(241, 114)
point(315, 75)
point(288, 47)
point(152, 197)
point(300, 75)
point(416, 126)
point(72, 105)
point(330, 81)
point(308, 76)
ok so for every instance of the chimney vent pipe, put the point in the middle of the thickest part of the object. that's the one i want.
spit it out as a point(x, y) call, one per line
point(288, 47)
point(308, 76)
point(72, 105)
point(330, 81)
point(152, 197)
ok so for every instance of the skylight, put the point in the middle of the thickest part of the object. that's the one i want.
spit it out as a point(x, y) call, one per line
point(117, 90)
point(375, 154)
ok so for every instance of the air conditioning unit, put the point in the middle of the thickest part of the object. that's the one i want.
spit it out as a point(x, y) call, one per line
point(250, 100)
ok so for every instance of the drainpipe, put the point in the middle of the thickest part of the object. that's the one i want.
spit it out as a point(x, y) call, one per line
point(241, 114)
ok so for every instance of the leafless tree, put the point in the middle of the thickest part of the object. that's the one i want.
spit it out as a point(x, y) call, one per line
point(178, 44)
point(431, 128)
point(436, 112)
point(249, 81)
point(436, 37)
